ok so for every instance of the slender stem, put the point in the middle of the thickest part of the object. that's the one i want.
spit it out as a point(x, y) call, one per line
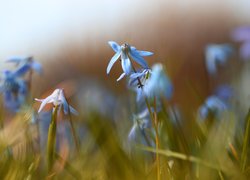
point(51, 143)
point(74, 133)
point(157, 143)
point(245, 143)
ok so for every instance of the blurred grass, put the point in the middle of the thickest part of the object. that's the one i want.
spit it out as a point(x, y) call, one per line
point(212, 151)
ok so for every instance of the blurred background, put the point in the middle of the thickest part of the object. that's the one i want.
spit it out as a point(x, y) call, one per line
point(69, 38)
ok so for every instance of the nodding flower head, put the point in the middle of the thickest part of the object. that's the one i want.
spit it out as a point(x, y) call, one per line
point(26, 62)
point(217, 54)
point(127, 52)
point(58, 99)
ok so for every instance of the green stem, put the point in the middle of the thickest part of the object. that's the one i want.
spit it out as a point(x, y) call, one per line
point(52, 139)
point(74, 133)
point(245, 144)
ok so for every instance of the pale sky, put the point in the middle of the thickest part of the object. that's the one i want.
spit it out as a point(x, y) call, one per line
point(35, 25)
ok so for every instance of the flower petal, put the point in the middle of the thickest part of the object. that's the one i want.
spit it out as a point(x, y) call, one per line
point(36, 67)
point(116, 47)
point(121, 76)
point(73, 111)
point(112, 61)
point(44, 102)
point(21, 70)
point(145, 53)
point(136, 56)
point(126, 65)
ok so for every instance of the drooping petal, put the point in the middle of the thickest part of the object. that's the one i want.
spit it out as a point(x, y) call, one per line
point(113, 60)
point(64, 103)
point(136, 56)
point(116, 47)
point(121, 76)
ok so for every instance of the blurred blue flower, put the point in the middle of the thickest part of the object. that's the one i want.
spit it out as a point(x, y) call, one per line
point(242, 34)
point(224, 92)
point(26, 62)
point(141, 122)
point(217, 103)
point(213, 105)
point(58, 99)
point(158, 83)
point(126, 52)
point(216, 54)
point(13, 88)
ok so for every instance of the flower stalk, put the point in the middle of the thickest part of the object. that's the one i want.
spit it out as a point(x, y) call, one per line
point(51, 143)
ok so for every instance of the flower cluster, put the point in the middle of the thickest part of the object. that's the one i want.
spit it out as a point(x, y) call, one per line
point(14, 86)
point(148, 83)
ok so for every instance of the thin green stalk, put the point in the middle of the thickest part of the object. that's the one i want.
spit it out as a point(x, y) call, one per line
point(245, 143)
point(51, 143)
point(157, 141)
point(74, 133)
point(185, 157)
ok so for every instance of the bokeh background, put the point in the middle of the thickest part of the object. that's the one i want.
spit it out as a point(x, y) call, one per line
point(69, 37)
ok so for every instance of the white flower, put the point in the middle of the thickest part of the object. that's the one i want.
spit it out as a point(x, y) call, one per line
point(58, 99)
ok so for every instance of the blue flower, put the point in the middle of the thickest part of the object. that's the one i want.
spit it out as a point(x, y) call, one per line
point(26, 62)
point(58, 99)
point(242, 34)
point(217, 54)
point(14, 89)
point(126, 52)
point(213, 105)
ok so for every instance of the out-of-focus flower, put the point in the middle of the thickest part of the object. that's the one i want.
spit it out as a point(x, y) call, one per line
point(242, 34)
point(141, 122)
point(216, 54)
point(58, 99)
point(158, 84)
point(224, 92)
point(26, 62)
point(212, 105)
point(126, 52)
point(13, 88)
point(151, 83)
point(217, 103)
